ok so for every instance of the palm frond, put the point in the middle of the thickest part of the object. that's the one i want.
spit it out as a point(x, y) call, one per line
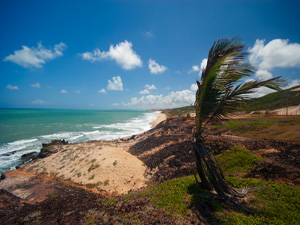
point(221, 89)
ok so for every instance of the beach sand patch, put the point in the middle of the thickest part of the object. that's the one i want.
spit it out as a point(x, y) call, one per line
point(106, 166)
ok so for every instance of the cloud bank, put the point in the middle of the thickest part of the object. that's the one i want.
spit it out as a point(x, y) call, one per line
point(173, 99)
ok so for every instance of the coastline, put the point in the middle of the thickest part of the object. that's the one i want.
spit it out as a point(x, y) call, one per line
point(82, 127)
point(105, 165)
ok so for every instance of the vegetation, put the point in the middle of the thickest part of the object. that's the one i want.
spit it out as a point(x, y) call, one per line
point(269, 203)
point(274, 100)
point(182, 111)
point(272, 204)
point(93, 167)
point(53, 196)
point(237, 161)
point(274, 128)
point(220, 92)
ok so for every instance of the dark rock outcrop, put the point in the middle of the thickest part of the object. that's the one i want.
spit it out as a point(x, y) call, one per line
point(49, 149)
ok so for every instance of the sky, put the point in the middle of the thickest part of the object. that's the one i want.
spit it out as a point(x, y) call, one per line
point(135, 54)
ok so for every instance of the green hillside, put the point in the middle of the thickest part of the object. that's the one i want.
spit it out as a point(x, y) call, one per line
point(182, 111)
point(271, 101)
point(274, 100)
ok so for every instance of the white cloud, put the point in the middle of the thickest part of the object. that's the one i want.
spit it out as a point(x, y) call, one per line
point(194, 69)
point(35, 57)
point(116, 84)
point(102, 91)
point(39, 102)
point(36, 85)
point(155, 68)
point(77, 92)
point(143, 92)
point(203, 66)
point(150, 87)
point(122, 53)
point(263, 74)
point(173, 99)
point(10, 87)
point(276, 53)
point(63, 91)
point(194, 87)
point(259, 92)
point(115, 104)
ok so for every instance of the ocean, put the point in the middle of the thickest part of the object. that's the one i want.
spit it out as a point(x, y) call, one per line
point(24, 130)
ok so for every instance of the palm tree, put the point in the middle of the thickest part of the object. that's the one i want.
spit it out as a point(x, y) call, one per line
point(222, 88)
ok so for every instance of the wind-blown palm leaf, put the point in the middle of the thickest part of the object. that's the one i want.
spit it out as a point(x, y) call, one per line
point(221, 89)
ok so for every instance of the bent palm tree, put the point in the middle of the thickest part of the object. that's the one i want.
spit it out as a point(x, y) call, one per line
point(220, 91)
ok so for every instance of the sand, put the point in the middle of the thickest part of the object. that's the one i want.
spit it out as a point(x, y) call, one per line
point(161, 117)
point(105, 166)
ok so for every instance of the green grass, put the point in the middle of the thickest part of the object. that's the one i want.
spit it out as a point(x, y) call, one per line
point(53, 196)
point(176, 195)
point(251, 124)
point(238, 161)
point(273, 204)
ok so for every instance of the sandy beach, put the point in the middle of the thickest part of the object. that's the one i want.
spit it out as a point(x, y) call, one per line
point(161, 117)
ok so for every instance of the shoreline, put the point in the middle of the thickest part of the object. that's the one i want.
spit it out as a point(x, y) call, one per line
point(34, 144)
point(106, 165)
point(161, 117)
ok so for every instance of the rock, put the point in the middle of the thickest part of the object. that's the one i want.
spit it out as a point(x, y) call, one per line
point(2, 176)
point(48, 149)
point(28, 156)
point(56, 142)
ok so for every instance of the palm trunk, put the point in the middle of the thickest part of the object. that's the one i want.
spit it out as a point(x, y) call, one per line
point(210, 173)
point(201, 171)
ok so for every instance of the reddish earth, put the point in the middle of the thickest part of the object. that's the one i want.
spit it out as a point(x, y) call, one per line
point(168, 153)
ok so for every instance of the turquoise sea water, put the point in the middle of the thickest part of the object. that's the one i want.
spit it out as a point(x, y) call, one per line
point(24, 130)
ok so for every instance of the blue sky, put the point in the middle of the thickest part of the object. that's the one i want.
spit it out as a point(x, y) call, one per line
point(134, 54)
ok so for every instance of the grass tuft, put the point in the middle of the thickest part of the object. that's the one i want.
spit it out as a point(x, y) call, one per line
point(238, 161)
